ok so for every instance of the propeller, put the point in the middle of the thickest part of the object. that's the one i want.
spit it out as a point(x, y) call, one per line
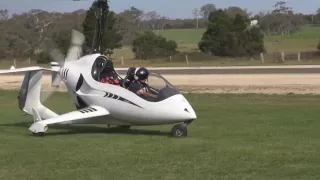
point(74, 53)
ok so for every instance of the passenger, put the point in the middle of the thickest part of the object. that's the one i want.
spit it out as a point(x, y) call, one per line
point(139, 84)
point(109, 76)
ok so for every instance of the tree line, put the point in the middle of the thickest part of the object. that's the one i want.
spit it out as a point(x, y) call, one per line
point(228, 31)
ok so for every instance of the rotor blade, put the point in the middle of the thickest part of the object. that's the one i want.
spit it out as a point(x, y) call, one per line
point(75, 50)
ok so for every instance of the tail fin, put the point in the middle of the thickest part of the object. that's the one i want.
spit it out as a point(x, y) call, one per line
point(29, 95)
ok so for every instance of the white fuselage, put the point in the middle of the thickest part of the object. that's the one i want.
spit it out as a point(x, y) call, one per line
point(125, 107)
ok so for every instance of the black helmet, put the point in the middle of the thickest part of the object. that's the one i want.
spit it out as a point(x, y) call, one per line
point(141, 73)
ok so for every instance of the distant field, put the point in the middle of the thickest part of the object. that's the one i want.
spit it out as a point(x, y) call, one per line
point(192, 36)
point(235, 137)
point(306, 39)
point(187, 40)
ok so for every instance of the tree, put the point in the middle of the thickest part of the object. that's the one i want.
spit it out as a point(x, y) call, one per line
point(318, 45)
point(218, 38)
point(227, 36)
point(112, 37)
point(206, 9)
point(281, 20)
point(149, 45)
point(196, 14)
point(233, 10)
point(62, 40)
point(130, 24)
point(4, 15)
point(3, 47)
point(317, 16)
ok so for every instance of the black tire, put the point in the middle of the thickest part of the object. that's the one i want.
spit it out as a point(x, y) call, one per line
point(40, 134)
point(179, 130)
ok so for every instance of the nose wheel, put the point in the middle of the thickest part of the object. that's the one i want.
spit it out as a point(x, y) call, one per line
point(179, 130)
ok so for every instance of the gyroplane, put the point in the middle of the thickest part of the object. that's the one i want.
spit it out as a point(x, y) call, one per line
point(97, 102)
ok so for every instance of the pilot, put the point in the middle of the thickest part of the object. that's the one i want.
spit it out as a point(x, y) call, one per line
point(139, 84)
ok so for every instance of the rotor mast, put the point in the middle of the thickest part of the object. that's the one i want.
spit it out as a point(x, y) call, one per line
point(101, 13)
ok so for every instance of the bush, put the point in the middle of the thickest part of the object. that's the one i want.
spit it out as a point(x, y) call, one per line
point(43, 57)
point(227, 36)
point(149, 45)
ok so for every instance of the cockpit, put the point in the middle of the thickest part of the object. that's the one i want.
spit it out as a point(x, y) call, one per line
point(158, 85)
point(161, 87)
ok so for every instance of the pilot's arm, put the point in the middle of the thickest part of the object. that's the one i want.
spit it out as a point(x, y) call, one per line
point(134, 87)
point(145, 93)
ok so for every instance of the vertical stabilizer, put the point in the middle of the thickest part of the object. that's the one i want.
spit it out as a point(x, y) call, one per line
point(29, 95)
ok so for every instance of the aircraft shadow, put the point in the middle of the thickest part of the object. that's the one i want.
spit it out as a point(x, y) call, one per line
point(75, 129)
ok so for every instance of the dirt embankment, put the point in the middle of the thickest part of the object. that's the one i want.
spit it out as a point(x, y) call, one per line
point(262, 83)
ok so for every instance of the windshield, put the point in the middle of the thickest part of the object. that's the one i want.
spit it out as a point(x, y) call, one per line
point(161, 87)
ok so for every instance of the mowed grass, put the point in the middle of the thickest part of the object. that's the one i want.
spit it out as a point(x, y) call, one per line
point(187, 39)
point(234, 137)
point(192, 36)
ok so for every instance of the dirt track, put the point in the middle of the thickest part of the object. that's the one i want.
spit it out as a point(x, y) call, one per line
point(256, 83)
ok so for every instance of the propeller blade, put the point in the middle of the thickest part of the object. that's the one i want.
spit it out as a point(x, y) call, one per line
point(58, 57)
point(45, 95)
point(75, 50)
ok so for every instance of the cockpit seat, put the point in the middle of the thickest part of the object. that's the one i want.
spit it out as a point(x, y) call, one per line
point(129, 77)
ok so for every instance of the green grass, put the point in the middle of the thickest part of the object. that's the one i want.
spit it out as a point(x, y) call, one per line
point(187, 39)
point(192, 36)
point(234, 137)
point(306, 39)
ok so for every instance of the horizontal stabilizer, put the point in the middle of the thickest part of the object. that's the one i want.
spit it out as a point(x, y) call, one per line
point(81, 114)
point(25, 69)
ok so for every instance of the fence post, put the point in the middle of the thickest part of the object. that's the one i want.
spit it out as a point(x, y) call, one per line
point(122, 61)
point(187, 60)
point(170, 58)
point(299, 56)
point(262, 57)
point(282, 56)
point(29, 61)
point(14, 63)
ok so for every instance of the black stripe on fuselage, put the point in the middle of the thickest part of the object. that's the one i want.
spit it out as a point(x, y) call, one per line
point(116, 97)
point(79, 83)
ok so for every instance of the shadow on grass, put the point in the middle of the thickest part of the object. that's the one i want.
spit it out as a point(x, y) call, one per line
point(76, 129)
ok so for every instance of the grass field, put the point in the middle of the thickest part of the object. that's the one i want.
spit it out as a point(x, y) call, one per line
point(305, 40)
point(234, 137)
point(187, 39)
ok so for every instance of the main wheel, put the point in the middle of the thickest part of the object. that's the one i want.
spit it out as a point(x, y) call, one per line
point(179, 130)
point(39, 134)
